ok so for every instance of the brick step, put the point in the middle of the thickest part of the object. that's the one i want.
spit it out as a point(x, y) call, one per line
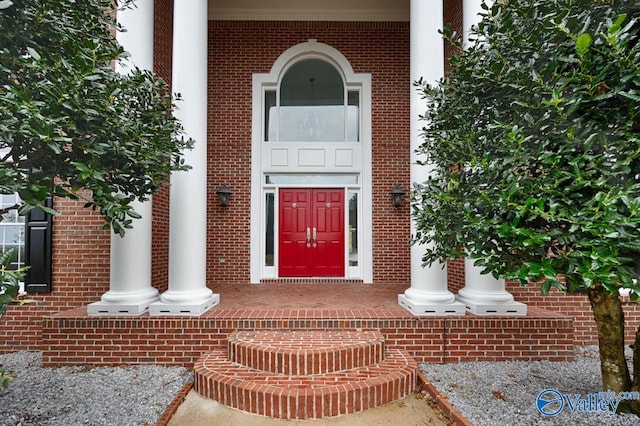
point(317, 390)
point(304, 397)
point(306, 352)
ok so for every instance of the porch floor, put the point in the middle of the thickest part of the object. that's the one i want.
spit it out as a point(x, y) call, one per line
point(73, 337)
point(340, 300)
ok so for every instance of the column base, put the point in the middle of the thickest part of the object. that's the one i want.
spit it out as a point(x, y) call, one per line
point(424, 309)
point(103, 308)
point(180, 309)
point(479, 308)
point(128, 303)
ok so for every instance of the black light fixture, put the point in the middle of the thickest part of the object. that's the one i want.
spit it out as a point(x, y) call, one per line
point(224, 193)
point(397, 194)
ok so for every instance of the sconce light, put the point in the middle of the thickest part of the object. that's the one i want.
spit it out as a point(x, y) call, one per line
point(224, 193)
point(397, 194)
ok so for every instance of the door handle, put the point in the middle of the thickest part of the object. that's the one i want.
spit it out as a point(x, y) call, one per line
point(315, 237)
point(308, 237)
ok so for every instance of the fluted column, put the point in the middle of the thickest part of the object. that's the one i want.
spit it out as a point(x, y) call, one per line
point(130, 291)
point(188, 293)
point(428, 294)
point(483, 294)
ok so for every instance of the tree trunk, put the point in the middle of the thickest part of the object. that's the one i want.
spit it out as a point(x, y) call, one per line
point(635, 385)
point(609, 317)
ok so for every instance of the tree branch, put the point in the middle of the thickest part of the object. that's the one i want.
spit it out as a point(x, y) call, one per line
point(6, 210)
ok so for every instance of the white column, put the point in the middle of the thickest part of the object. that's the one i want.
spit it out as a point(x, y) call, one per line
point(188, 293)
point(483, 294)
point(428, 294)
point(470, 16)
point(130, 291)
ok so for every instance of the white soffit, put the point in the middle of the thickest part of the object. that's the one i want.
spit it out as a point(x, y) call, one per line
point(309, 10)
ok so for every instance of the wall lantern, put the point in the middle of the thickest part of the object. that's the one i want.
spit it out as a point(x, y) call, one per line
point(224, 193)
point(397, 194)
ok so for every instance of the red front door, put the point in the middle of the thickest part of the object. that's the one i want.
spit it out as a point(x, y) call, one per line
point(311, 238)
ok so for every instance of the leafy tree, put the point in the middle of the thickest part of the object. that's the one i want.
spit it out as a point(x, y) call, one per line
point(69, 121)
point(534, 141)
point(9, 287)
point(9, 279)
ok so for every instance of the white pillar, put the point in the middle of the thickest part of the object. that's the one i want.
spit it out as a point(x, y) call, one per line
point(483, 294)
point(470, 16)
point(188, 293)
point(428, 294)
point(130, 291)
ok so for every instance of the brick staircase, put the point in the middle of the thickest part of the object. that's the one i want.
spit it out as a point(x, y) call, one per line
point(305, 374)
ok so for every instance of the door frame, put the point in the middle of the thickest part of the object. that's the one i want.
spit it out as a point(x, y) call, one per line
point(350, 272)
point(344, 158)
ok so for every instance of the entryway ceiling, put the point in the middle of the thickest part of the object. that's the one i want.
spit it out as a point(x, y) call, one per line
point(309, 10)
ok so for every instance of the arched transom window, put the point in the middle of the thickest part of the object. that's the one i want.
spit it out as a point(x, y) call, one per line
point(312, 104)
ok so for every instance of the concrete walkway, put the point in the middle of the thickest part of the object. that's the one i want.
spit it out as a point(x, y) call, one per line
point(418, 409)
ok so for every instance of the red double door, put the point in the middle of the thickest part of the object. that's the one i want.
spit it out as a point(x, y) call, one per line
point(311, 236)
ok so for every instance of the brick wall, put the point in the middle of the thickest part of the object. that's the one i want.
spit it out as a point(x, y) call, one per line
point(575, 305)
point(452, 18)
point(81, 247)
point(74, 338)
point(80, 275)
point(163, 48)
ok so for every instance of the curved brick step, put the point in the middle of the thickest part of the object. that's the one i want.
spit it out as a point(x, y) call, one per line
point(304, 396)
point(306, 352)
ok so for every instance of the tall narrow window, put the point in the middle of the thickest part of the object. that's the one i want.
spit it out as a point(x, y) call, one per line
point(270, 115)
point(353, 229)
point(269, 227)
point(353, 116)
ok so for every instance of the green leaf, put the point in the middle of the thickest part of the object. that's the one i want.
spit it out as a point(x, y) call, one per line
point(583, 43)
point(32, 52)
point(545, 287)
point(134, 214)
point(6, 257)
point(93, 77)
point(615, 27)
point(49, 210)
point(631, 94)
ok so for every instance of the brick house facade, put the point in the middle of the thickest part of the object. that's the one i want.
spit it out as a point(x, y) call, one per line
point(237, 50)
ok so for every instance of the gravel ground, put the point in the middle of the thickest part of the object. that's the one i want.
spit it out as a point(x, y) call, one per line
point(69, 396)
point(486, 393)
point(505, 393)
